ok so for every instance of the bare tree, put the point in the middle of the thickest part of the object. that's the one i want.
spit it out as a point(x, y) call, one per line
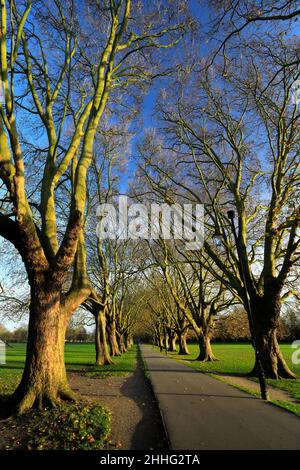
point(68, 75)
point(233, 143)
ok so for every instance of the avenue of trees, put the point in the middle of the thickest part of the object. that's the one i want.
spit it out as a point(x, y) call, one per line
point(227, 135)
point(57, 81)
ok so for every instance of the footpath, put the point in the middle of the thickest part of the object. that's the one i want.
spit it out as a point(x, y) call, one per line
point(203, 413)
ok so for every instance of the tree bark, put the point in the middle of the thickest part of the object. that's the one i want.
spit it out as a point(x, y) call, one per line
point(266, 314)
point(122, 346)
point(173, 339)
point(166, 342)
point(101, 347)
point(44, 380)
point(128, 341)
point(112, 339)
point(205, 354)
point(103, 336)
point(183, 349)
point(98, 345)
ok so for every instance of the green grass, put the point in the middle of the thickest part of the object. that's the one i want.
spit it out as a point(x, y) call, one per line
point(122, 366)
point(144, 365)
point(239, 359)
point(82, 357)
point(78, 357)
point(10, 373)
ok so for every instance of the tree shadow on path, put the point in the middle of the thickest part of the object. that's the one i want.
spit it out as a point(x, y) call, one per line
point(149, 433)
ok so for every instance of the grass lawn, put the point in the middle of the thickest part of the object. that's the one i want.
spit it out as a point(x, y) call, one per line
point(82, 357)
point(239, 359)
point(78, 357)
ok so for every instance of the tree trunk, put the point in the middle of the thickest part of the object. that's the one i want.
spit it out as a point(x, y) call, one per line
point(205, 354)
point(183, 349)
point(112, 339)
point(128, 341)
point(173, 339)
point(44, 380)
point(271, 358)
point(98, 345)
point(266, 314)
point(166, 342)
point(103, 332)
point(101, 347)
point(122, 346)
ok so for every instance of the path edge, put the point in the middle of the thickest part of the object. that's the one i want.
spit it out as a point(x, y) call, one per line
point(148, 377)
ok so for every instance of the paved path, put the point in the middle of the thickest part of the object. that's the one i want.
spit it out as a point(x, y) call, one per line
point(201, 412)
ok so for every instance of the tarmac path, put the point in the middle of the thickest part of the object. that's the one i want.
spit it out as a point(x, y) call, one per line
point(203, 413)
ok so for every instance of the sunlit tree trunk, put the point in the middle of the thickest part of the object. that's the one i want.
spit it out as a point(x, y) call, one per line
point(173, 339)
point(265, 315)
point(128, 341)
point(103, 331)
point(183, 349)
point(44, 379)
point(206, 353)
point(101, 346)
point(112, 339)
point(166, 342)
point(98, 345)
point(121, 342)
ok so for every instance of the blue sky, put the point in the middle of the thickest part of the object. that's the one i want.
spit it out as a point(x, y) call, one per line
point(148, 120)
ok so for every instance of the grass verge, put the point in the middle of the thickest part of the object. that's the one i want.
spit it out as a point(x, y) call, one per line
point(122, 365)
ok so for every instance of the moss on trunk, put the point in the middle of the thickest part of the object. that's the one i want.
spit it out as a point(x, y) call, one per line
point(44, 379)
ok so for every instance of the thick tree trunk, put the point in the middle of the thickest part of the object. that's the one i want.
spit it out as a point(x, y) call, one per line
point(166, 342)
point(44, 380)
point(266, 313)
point(121, 342)
point(161, 342)
point(112, 339)
point(205, 354)
point(271, 358)
point(98, 345)
point(128, 341)
point(101, 347)
point(183, 349)
point(103, 336)
point(173, 339)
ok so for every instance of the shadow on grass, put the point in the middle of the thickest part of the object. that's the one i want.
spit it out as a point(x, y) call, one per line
point(246, 375)
point(7, 367)
point(80, 364)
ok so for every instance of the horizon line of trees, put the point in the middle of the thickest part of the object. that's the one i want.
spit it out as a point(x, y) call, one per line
point(230, 327)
